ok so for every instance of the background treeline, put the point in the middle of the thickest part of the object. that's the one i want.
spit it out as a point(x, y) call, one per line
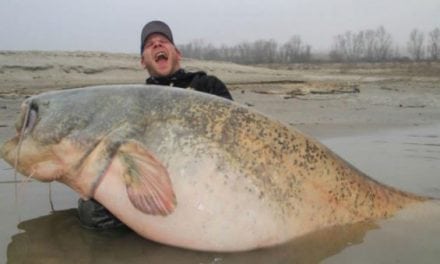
point(363, 46)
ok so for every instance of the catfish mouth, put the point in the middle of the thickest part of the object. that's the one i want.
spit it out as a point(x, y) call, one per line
point(10, 150)
point(24, 125)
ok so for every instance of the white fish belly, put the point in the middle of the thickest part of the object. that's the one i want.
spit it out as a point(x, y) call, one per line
point(217, 211)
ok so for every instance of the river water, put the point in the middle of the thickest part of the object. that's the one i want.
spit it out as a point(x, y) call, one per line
point(408, 159)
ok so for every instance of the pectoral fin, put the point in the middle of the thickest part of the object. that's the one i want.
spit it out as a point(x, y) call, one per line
point(148, 184)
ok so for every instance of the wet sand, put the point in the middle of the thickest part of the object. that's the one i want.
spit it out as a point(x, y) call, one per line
point(385, 123)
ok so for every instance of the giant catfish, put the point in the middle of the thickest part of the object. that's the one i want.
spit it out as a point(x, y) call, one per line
point(192, 170)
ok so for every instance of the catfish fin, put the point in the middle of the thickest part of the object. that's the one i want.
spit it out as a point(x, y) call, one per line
point(148, 184)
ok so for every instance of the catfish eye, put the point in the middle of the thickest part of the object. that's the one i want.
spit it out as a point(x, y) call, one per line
point(31, 117)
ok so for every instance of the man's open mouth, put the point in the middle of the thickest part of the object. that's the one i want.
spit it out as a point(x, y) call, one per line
point(160, 56)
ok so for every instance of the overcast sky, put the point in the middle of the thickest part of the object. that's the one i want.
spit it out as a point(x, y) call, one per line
point(114, 25)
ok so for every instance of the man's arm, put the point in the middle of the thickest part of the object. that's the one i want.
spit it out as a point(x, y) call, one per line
point(210, 84)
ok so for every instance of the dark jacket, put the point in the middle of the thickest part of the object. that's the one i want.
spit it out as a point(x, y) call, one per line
point(199, 81)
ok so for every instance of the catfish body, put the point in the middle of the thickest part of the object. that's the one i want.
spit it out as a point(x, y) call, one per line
point(191, 169)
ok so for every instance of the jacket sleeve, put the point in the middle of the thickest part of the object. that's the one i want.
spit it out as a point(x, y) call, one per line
point(210, 84)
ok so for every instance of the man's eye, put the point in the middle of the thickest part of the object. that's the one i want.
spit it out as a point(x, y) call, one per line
point(160, 41)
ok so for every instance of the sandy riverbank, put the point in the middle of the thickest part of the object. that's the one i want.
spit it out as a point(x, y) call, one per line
point(382, 118)
point(322, 99)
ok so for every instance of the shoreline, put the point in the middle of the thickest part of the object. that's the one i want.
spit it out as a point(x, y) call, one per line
point(384, 123)
point(323, 100)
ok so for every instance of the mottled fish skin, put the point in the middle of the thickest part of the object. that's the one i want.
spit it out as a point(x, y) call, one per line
point(291, 175)
point(279, 159)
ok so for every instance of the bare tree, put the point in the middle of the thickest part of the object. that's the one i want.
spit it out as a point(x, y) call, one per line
point(434, 44)
point(415, 45)
point(347, 47)
point(383, 45)
point(369, 45)
point(357, 46)
point(295, 50)
point(337, 51)
point(290, 50)
point(264, 51)
point(195, 49)
point(244, 51)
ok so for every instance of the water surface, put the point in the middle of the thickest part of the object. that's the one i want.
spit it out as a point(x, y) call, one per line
point(408, 159)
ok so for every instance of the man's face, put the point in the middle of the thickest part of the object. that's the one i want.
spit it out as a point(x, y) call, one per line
point(160, 56)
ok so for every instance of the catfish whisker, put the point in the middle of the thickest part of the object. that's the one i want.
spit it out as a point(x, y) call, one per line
point(17, 156)
point(50, 198)
point(25, 180)
point(20, 142)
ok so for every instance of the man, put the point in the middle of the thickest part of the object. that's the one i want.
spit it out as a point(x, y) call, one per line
point(161, 59)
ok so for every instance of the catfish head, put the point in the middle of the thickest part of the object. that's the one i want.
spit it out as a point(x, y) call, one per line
point(74, 136)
